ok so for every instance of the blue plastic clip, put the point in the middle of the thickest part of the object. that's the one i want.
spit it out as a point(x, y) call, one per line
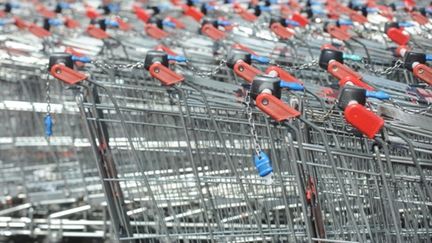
point(48, 125)
point(261, 60)
point(64, 5)
point(263, 164)
point(372, 10)
point(292, 22)
point(114, 8)
point(265, 8)
point(352, 57)
point(345, 22)
point(169, 23)
point(224, 23)
point(111, 23)
point(209, 7)
point(177, 58)
point(381, 95)
point(318, 10)
point(291, 85)
point(406, 24)
point(83, 59)
point(55, 22)
point(428, 57)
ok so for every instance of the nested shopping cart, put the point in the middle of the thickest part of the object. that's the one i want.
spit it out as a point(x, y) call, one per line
point(175, 162)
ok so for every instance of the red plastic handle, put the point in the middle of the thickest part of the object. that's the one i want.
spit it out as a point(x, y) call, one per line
point(338, 33)
point(363, 120)
point(303, 21)
point(419, 18)
point(212, 32)
point(141, 14)
point(356, 17)
point(97, 33)
point(71, 23)
point(165, 75)
point(21, 23)
point(281, 31)
point(275, 108)
point(340, 71)
point(246, 71)
point(38, 31)
point(423, 72)
point(66, 74)
point(244, 14)
point(123, 25)
point(282, 74)
point(42, 10)
point(166, 49)
point(244, 48)
point(193, 12)
point(354, 81)
point(398, 36)
point(154, 32)
point(92, 13)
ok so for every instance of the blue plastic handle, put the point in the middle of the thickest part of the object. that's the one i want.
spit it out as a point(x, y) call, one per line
point(83, 59)
point(372, 10)
point(273, 1)
point(169, 23)
point(64, 5)
point(263, 164)
point(265, 8)
point(291, 85)
point(55, 22)
point(352, 57)
point(381, 95)
point(345, 22)
point(48, 122)
point(428, 57)
point(177, 58)
point(292, 22)
point(163, 6)
point(111, 23)
point(318, 11)
point(114, 8)
point(224, 23)
point(209, 7)
point(406, 24)
point(261, 60)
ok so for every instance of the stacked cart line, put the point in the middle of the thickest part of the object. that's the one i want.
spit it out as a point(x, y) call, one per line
point(216, 121)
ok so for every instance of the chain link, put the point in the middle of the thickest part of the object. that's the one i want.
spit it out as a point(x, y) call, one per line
point(256, 145)
point(386, 71)
point(303, 66)
point(206, 73)
point(48, 94)
point(102, 64)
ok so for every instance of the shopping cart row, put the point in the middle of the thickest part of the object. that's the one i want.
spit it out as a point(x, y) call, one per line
point(206, 121)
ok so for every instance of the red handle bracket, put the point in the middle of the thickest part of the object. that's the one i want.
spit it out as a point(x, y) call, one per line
point(419, 18)
point(354, 81)
point(282, 74)
point(281, 31)
point(244, 48)
point(244, 14)
point(123, 25)
point(193, 12)
point(92, 13)
point(398, 36)
point(66, 74)
point(154, 32)
point(356, 17)
point(212, 32)
point(275, 108)
point(423, 72)
point(340, 71)
point(303, 21)
point(178, 23)
point(166, 49)
point(38, 31)
point(246, 71)
point(141, 14)
point(96, 32)
point(338, 33)
point(21, 23)
point(165, 75)
point(363, 120)
point(71, 23)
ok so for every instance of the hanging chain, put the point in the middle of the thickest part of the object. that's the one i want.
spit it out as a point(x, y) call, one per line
point(386, 71)
point(48, 95)
point(206, 73)
point(256, 145)
point(104, 65)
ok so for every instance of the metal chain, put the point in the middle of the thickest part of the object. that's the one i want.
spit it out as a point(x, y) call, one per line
point(206, 73)
point(256, 145)
point(48, 95)
point(386, 71)
point(303, 66)
point(102, 64)
point(418, 111)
